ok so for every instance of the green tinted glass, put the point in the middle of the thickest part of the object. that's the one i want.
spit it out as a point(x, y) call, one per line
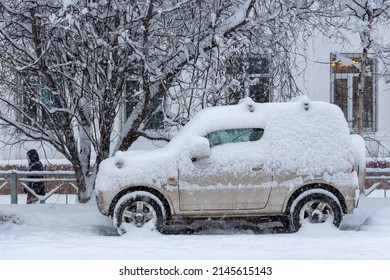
point(234, 135)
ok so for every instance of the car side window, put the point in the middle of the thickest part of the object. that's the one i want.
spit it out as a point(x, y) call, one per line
point(234, 135)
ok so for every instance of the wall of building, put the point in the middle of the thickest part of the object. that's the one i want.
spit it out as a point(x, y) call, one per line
point(315, 82)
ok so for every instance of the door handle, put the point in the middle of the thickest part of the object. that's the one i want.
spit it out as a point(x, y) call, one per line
point(257, 168)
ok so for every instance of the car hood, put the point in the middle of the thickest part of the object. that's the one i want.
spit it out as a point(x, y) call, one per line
point(137, 168)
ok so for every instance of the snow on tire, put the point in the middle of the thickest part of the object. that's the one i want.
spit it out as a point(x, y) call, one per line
point(138, 209)
point(315, 206)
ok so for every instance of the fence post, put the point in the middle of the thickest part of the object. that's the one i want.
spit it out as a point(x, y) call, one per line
point(14, 188)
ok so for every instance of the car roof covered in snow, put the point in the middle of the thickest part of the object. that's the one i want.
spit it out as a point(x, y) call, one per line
point(284, 118)
point(301, 134)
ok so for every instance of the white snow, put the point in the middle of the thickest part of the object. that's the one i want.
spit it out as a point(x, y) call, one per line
point(359, 149)
point(79, 232)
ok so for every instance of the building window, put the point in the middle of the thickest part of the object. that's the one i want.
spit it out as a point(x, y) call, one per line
point(30, 111)
point(252, 78)
point(345, 70)
point(133, 96)
point(50, 120)
point(38, 102)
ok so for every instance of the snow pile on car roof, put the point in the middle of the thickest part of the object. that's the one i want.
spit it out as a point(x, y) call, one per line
point(303, 136)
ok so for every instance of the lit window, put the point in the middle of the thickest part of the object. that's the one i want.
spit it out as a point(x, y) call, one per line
point(345, 69)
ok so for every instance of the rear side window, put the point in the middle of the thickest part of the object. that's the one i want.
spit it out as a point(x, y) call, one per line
point(234, 136)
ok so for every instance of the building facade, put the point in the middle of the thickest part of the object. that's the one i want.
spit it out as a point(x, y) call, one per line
point(332, 75)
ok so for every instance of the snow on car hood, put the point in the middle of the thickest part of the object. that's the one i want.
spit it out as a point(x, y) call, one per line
point(136, 168)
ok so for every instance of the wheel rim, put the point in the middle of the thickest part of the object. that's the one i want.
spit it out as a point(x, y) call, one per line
point(316, 211)
point(139, 213)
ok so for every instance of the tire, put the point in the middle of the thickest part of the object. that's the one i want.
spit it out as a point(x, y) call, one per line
point(138, 209)
point(315, 206)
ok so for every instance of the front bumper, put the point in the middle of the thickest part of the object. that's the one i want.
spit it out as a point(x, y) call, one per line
point(103, 203)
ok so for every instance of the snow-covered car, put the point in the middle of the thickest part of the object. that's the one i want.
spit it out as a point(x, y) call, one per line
point(290, 162)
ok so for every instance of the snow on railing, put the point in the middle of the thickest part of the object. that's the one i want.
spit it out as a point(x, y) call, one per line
point(15, 178)
point(384, 183)
point(379, 177)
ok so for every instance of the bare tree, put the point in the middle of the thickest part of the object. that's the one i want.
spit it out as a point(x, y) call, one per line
point(66, 65)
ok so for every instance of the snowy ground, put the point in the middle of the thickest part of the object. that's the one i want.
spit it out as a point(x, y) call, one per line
point(80, 232)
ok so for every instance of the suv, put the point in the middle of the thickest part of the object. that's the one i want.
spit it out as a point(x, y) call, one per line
point(288, 162)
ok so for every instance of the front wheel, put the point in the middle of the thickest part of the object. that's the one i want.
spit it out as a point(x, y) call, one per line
point(138, 209)
point(315, 206)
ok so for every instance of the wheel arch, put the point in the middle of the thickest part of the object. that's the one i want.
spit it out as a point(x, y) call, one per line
point(326, 187)
point(153, 191)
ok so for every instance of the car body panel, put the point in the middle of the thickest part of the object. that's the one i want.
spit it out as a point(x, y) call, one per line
point(227, 179)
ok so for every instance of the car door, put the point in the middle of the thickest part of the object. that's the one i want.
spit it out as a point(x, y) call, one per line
point(233, 177)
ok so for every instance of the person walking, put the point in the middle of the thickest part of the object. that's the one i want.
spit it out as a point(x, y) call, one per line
point(34, 164)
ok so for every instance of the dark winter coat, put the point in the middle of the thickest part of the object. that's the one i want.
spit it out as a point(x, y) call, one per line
point(35, 165)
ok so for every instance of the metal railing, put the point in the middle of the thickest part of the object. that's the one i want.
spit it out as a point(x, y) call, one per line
point(383, 182)
point(57, 179)
point(62, 179)
point(380, 179)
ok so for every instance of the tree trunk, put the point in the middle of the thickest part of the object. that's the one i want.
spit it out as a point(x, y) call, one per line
point(366, 38)
point(83, 190)
point(362, 79)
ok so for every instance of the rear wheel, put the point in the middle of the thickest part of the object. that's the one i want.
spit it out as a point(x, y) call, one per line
point(315, 207)
point(138, 209)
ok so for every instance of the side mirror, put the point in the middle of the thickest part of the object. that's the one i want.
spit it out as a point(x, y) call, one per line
point(200, 148)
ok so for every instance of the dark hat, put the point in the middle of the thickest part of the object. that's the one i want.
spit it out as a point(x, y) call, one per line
point(33, 155)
